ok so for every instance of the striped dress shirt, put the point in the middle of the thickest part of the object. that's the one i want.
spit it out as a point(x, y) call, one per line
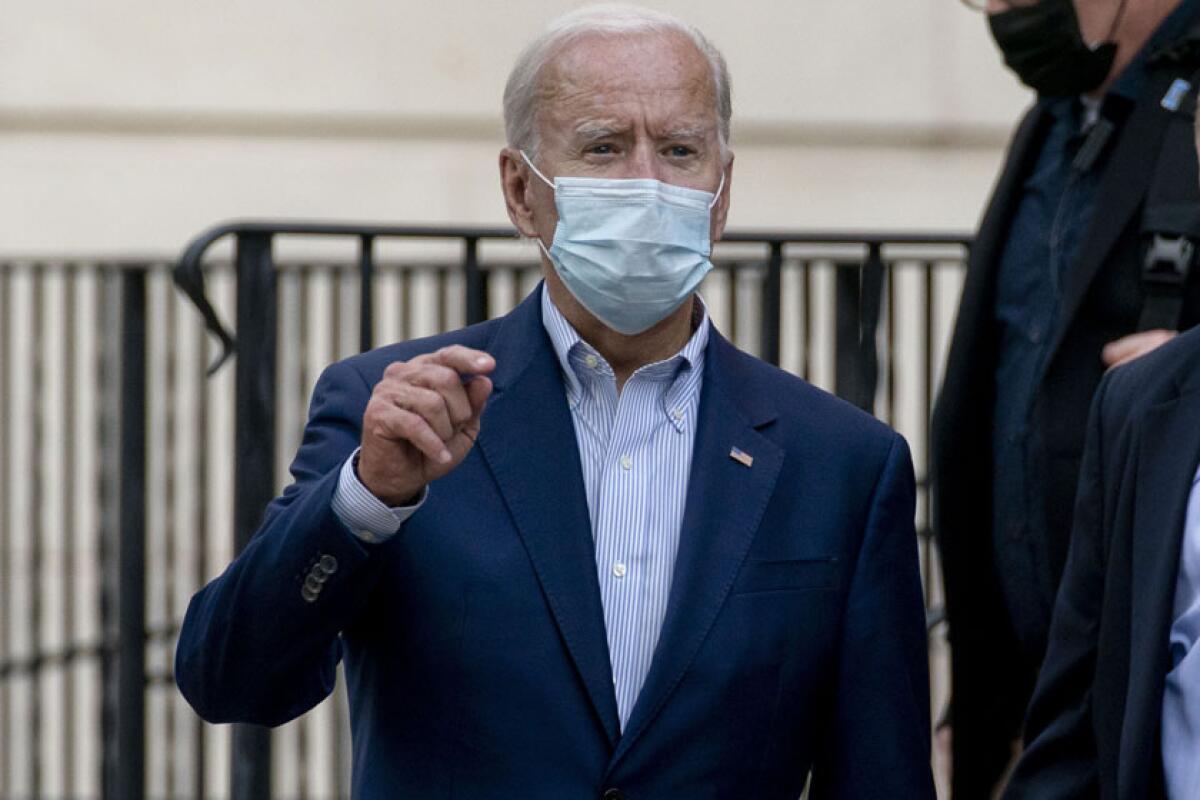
point(635, 450)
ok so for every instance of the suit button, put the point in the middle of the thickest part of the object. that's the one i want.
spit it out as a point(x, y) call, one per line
point(309, 595)
point(613, 794)
point(328, 564)
point(312, 583)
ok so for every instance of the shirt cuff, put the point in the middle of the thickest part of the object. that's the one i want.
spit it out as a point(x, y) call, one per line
point(368, 517)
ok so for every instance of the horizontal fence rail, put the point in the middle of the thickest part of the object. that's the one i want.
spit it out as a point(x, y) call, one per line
point(119, 421)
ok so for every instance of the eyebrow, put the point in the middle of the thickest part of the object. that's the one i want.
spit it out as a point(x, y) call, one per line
point(688, 132)
point(593, 130)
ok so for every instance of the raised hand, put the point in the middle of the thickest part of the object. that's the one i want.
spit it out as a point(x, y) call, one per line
point(422, 420)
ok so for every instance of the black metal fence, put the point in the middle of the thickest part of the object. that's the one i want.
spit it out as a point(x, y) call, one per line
point(128, 478)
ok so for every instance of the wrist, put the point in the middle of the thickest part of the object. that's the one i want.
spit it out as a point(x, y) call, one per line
point(398, 497)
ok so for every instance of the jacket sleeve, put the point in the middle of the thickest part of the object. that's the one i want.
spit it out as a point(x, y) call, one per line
point(256, 645)
point(1060, 755)
point(879, 744)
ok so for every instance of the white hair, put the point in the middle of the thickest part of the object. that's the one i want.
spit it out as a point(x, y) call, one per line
point(615, 19)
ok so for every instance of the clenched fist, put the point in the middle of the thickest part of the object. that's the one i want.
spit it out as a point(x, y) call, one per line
point(422, 420)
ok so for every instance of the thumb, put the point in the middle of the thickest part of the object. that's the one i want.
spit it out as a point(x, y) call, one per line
point(478, 391)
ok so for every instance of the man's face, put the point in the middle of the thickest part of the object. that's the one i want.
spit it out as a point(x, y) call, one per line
point(640, 106)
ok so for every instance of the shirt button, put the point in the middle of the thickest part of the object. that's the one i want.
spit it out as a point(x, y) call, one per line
point(626, 463)
point(591, 361)
point(619, 569)
point(676, 414)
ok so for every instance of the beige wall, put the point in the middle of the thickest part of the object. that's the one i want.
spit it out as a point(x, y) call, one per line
point(127, 126)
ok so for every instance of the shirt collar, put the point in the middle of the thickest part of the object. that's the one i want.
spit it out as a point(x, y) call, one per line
point(570, 349)
point(1131, 80)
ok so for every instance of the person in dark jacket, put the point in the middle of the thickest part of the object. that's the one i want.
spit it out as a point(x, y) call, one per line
point(1082, 261)
point(1116, 712)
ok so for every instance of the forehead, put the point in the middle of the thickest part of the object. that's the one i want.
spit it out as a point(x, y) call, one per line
point(659, 76)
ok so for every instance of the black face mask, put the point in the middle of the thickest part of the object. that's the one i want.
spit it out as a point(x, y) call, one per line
point(1043, 46)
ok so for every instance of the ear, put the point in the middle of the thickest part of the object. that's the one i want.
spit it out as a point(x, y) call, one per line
point(514, 183)
point(721, 210)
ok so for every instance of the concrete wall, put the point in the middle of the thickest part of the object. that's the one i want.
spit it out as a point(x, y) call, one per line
point(127, 126)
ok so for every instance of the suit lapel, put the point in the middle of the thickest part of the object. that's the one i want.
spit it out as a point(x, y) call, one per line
point(528, 442)
point(725, 503)
point(1121, 191)
point(1168, 450)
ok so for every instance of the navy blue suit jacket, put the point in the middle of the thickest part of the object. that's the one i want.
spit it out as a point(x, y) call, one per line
point(474, 643)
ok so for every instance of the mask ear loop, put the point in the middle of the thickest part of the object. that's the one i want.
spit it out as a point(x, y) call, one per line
point(545, 180)
point(720, 188)
point(537, 171)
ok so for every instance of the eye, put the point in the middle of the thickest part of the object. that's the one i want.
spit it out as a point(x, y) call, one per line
point(680, 151)
point(601, 149)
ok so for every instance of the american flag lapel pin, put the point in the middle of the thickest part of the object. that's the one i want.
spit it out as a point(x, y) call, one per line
point(742, 457)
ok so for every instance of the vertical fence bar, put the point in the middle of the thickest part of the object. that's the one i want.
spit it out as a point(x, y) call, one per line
point(771, 303)
point(38, 660)
point(254, 482)
point(71, 534)
point(870, 301)
point(926, 479)
point(200, 525)
point(131, 548)
point(5, 534)
point(476, 282)
point(170, 535)
point(108, 334)
point(806, 310)
point(366, 273)
point(892, 357)
point(846, 332)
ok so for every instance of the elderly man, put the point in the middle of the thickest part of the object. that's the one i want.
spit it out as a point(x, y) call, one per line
point(590, 549)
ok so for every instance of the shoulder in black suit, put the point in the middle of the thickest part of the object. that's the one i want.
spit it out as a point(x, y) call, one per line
point(1093, 726)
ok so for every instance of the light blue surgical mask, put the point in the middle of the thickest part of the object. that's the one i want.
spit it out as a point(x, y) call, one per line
point(630, 251)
